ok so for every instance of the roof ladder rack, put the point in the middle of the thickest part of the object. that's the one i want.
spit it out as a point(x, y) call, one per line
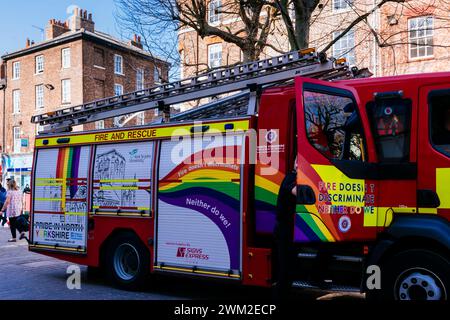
point(248, 76)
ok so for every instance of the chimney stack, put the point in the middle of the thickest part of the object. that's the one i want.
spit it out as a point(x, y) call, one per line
point(28, 43)
point(55, 29)
point(136, 42)
point(81, 19)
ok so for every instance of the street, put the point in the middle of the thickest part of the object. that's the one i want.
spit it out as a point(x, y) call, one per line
point(31, 276)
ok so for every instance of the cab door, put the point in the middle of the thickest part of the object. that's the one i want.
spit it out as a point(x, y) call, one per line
point(335, 189)
point(434, 150)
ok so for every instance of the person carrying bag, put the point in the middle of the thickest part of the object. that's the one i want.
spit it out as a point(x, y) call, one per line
point(13, 207)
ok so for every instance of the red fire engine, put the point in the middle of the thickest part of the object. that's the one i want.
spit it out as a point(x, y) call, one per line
point(200, 198)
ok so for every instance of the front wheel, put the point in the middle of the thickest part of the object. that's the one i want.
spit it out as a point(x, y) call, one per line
point(127, 262)
point(416, 275)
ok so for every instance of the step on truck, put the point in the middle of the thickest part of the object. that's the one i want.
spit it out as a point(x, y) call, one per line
point(196, 194)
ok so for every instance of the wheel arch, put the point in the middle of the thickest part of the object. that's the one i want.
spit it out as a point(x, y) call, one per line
point(410, 232)
point(114, 233)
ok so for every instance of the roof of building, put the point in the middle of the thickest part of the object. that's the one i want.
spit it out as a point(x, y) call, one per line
point(96, 36)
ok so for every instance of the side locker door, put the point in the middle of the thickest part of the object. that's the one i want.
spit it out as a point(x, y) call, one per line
point(434, 151)
point(199, 220)
point(336, 198)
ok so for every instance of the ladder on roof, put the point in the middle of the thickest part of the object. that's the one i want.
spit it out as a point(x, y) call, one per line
point(248, 76)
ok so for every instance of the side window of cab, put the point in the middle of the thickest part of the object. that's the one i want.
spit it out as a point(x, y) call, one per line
point(439, 104)
point(333, 126)
point(390, 120)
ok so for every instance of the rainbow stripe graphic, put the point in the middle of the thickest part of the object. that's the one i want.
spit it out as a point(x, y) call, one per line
point(67, 168)
point(309, 225)
point(215, 184)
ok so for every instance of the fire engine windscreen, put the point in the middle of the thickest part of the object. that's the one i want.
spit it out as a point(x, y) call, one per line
point(390, 120)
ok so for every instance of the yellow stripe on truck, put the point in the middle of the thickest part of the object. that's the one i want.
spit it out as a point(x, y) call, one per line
point(141, 134)
point(443, 187)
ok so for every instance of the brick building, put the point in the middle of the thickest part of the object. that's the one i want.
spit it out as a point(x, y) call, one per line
point(75, 64)
point(399, 26)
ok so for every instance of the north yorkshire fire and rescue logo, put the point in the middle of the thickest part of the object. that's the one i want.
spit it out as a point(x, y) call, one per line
point(191, 253)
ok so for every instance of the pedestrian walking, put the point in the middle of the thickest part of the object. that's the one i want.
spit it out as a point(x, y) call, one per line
point(13, 208)
point(2, 202)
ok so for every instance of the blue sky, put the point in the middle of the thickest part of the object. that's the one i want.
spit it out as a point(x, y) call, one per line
point(17, 18)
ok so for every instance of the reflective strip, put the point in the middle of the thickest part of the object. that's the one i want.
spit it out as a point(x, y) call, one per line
point(223, 274)
point(40, 246)
point(428, 210)
point(142, 134)
point(120, 214)
point(47, 199)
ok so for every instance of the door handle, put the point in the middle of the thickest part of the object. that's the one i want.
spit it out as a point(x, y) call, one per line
point(305, 194)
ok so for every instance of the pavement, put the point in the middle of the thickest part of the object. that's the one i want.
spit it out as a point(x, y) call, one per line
point(30, 276)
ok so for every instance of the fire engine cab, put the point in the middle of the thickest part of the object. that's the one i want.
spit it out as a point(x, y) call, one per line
point(197, 193)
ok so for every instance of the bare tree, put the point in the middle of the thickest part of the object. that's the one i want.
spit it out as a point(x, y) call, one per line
point(251, 24)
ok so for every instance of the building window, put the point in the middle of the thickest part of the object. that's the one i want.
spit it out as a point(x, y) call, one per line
point(99, 57)
point(342, 4)
point(345, 46)
point(16, 101)
point(65, 91)
point(17, 140)
point(140, 79)
point(39, 64)
point(182, 64)
point(100, 124)
point(140, 118)
point(156, 75)
point(215, 55)
point(118, 89)
point(65, 56)
point(420, 37)
point(118, 64)
point(16, 70)
point(40, 96)
point(214, 11)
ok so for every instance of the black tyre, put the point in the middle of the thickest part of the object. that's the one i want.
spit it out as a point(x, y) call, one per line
point(127, 262)
point(416, 275)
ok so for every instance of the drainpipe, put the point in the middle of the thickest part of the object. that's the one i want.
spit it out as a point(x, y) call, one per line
point(3, 88)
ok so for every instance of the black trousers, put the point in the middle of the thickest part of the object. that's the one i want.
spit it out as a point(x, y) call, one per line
point(284, 258)
point(3, 218)
point(13, 226)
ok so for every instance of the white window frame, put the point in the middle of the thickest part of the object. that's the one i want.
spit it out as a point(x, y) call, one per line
point(65, 58)
point(341, 8)
point(349, 50)
point(140, 118)
point(140, 79)
point(16, 70)
point(16, 101)
point(213, 16)
point(40, 64)
point(118, 89)
point(213, 50)
point(39, 96)
point(182, 64)
point(427, 37)
point(118, 64)
point(100, 124)
point(17, 146)
point(156, 74)
point(66, 92)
